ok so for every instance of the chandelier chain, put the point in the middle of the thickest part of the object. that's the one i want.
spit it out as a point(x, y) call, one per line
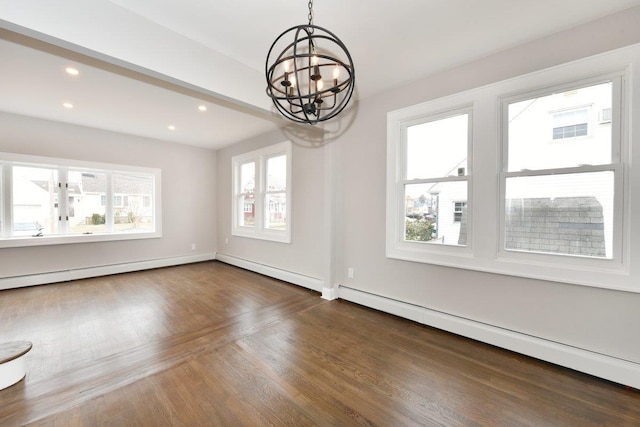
point(310, 12)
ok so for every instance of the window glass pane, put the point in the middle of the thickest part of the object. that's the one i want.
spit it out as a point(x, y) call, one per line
point(86, 194)
point(247, 210)
point(247, 177)
point(130, 213)
point(568, 214)
point(437, 148)
point(436, 213)
point(247, 206)
point(35, 201)
point(543, 132)
point(277, 173)
point(276, 211)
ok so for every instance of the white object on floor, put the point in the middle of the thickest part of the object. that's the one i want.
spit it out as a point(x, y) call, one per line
point(12, 366)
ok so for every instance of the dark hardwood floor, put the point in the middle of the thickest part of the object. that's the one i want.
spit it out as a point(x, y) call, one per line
point(213, 345)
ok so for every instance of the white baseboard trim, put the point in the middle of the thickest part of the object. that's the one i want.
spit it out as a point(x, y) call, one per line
point(84, 273)
point(600, 365)
point(277, 273)
point(330, 293)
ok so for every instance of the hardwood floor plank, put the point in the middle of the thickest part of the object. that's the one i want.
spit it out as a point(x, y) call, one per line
point(347, 377)
point(72, 386)
point(211, 344)
point(491, 367)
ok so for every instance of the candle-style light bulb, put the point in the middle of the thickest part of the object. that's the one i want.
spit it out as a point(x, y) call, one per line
point(316, 68)
point(336, 74)
point(285, 81)
point(319, 87)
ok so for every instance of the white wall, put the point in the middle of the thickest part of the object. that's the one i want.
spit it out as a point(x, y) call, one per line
point(601, 321)
point(188, 195)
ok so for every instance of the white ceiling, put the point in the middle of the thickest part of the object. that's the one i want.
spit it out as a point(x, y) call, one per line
point(212, 52)
point(34, 83)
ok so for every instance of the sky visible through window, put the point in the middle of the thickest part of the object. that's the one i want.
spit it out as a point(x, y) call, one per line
point(436, 149)
point(277, 173)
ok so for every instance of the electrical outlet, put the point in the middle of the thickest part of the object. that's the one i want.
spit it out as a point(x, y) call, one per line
point(350, 273)
point(226, 240)
point(193, 246)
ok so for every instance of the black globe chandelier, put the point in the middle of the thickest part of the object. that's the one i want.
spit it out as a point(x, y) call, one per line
point(313, 77)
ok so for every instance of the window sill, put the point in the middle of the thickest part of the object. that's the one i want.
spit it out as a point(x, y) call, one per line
point(274, 236)
point(19, 242)
point(605, 274)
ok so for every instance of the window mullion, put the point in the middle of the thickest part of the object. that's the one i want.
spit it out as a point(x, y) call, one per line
point(261, 167)
point(6, 216)
point(63, 201)
point(108, 208)
point(434, 180)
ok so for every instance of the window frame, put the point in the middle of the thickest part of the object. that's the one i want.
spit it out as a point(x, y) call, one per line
point(487, 180)
point(260, 157)
point(397, 124)
point(63, 166)
point(616, 166)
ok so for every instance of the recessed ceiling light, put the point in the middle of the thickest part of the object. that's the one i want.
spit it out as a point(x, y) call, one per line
point(67, 105)
point(202, 108)
point(171, 127)
point(72, 71)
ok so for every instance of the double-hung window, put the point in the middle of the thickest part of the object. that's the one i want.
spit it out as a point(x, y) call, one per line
point(261, 205)
point(549, 193)
point(429, 183)
point(562, 172)
point(52, 201)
